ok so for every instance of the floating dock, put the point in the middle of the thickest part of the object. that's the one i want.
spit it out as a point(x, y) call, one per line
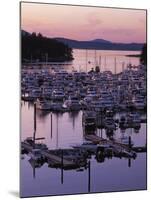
point(117, 146)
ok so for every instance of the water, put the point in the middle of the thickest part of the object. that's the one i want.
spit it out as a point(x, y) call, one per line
point(105, 59)
point(111, 175)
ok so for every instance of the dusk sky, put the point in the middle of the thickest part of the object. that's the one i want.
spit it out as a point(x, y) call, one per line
point(84, 23)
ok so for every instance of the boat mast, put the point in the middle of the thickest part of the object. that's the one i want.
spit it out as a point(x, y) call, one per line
point(100, 62)
point(95, 58)
point(105, 63)
point(35, 123)
point(115, 65)
point(86, 59)
point(123, 64)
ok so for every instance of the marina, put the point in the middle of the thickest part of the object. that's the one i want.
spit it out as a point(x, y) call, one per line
point(77, 120)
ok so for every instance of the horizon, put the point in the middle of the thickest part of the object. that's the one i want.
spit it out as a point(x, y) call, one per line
point(75, 22)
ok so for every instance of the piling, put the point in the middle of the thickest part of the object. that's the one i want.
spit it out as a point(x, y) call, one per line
point(62, 167)
point(51, 123)
point(35, 123)
point(129, 162)
point(129, 142)
point(89, 176)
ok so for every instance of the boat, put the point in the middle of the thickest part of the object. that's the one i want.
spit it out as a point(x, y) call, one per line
point(58, 95)
point(73, 103)
point(89, 119)
point(43, 105)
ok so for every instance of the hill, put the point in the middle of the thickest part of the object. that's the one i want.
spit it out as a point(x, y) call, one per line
point(101, 44)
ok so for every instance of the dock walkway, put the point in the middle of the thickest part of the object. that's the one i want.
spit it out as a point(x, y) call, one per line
point(115, 144)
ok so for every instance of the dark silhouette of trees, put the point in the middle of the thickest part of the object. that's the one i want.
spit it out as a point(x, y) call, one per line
point(143, 57)
point(36, 47)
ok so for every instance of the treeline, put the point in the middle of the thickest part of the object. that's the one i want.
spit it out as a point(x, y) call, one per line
point(37, 48)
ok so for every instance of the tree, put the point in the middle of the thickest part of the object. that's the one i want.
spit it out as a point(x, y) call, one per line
point(39, 35)
point(39, 46)
point(97, 69)
point(33, 34)
point(143, 58)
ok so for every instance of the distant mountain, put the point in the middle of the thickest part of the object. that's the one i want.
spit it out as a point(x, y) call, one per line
point(101, 44)
point(101, 41)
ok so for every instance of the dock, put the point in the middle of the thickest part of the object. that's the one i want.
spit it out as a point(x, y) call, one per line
point(140, 149)
point(52, 159)
point(58, 161)
point(26, 146)
point(117, 146)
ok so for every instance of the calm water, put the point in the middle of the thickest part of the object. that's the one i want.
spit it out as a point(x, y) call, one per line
point(111, 175)
point(105, 59)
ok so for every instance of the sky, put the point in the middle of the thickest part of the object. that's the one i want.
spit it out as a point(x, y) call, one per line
point(84, 23)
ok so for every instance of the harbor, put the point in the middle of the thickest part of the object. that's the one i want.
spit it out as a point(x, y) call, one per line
point(78, 121)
